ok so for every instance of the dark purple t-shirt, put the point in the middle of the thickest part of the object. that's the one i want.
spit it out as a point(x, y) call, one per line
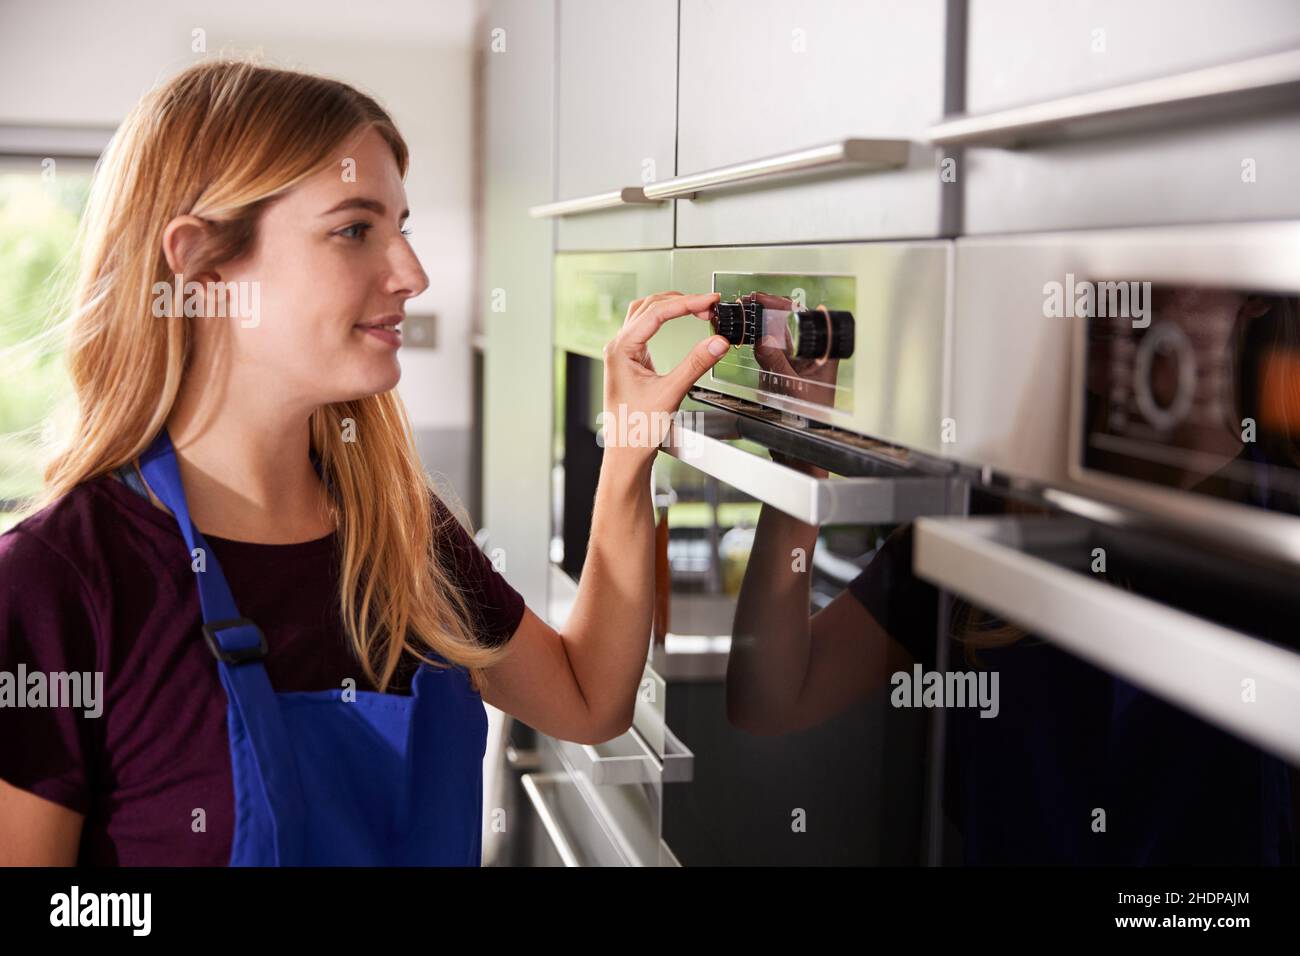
point(101, 581)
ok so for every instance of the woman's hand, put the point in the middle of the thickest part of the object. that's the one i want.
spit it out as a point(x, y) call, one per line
point(639, 402)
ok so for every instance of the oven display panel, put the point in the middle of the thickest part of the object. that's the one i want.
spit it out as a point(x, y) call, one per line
point(1201, 393)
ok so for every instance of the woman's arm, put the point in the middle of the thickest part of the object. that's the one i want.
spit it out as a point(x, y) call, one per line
point(35, 831)
point(581, 685)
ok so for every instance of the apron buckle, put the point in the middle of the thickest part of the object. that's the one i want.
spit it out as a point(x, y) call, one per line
point(240, 655)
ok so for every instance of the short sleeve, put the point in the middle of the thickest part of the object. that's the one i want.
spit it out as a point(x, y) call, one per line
point(900, 602)
point(47, 647)
point(496, 607)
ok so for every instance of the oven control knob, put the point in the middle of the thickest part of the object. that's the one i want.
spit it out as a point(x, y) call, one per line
point(814, 330)
point(735, 322)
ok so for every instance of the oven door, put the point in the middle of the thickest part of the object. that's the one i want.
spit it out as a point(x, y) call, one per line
point(1147, 694)
point(773, 672)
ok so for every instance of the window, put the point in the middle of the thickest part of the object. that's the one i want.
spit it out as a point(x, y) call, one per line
point(41, 203)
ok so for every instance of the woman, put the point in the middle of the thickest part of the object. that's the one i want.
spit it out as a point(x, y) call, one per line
point(295, 636)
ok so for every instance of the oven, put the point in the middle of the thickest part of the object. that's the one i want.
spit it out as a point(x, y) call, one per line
point(959, 563)
point(1124, 405)
point(825, 427)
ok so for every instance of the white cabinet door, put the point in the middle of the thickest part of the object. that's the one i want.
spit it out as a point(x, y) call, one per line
point(765, 77)
point(1187, 165)
point(617, 115)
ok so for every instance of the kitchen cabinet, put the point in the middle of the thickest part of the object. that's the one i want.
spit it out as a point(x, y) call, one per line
point(1191, 158)
point(761, 78)
point(518, 48)
point(616, 115)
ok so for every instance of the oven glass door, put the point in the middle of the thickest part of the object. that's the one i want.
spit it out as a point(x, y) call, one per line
point(1145, 694)
point(775, 675)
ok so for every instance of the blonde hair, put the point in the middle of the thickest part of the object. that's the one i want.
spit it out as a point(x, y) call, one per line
point(220, 141)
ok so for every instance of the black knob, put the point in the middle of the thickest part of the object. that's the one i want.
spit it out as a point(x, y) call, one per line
point(814, 330)
point(735, 322)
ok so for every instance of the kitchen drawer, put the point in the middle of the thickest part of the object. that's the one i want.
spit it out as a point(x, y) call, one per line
point(601, 805)
point(1022, 51)
point(765, 78)
point(1124, 114)
point(616, 118)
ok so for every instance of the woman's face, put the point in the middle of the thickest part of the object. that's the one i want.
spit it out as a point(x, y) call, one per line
point(330, 257)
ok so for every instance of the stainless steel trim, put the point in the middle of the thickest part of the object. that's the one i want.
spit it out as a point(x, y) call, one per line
point(518, 759)
point(544, 813)
point(853, 155)
point(666, 855)
point(679, 761)
point(628, 196)
point(1192, 662)
point(632, 760)
point(1257, 81)
point(815, 501)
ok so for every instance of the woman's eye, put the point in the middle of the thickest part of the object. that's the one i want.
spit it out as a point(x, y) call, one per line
point(407, 232)
point(346, 233)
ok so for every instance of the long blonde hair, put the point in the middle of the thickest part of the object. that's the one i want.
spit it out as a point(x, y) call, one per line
point(220, 141)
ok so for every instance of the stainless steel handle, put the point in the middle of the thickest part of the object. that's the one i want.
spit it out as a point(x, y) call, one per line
point(853, 155)
point(629, 759)
point(1259, 81)
point(1188, 660)
point(544, 813)
point(517, 759)
point(629, 196)
point(815, 501)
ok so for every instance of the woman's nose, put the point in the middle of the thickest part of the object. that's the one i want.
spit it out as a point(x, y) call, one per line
point(408, 277)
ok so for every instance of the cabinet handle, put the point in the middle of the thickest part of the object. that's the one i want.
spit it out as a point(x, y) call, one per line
point(630, 196)
point(851, 155)
point(1259, 81)
point(1190, 661)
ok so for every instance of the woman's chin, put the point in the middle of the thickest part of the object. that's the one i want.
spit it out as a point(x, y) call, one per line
point(372, 381)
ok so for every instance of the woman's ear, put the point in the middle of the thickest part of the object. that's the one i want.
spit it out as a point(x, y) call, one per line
point(181, 239)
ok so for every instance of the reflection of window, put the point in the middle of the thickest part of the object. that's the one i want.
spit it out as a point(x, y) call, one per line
point(40, 206)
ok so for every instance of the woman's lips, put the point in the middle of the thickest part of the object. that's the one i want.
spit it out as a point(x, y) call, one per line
point(390, 335)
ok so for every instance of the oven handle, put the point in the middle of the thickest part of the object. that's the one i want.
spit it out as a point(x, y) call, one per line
point(1186, 659)
point(1260, 80)
point(814, 501)
point(550, 823)
point(849, 155)
point(629, 196)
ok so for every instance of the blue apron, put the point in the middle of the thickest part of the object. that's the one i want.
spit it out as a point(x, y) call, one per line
point(382, 780)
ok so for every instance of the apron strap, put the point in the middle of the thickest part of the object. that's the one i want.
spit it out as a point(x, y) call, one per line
point(239, 647)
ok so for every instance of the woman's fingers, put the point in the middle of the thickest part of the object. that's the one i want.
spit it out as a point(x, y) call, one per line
point(642, 327)
point(635, 308)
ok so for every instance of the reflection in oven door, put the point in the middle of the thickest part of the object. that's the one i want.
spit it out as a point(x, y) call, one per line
point(776, 677)
point(1146, 694)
